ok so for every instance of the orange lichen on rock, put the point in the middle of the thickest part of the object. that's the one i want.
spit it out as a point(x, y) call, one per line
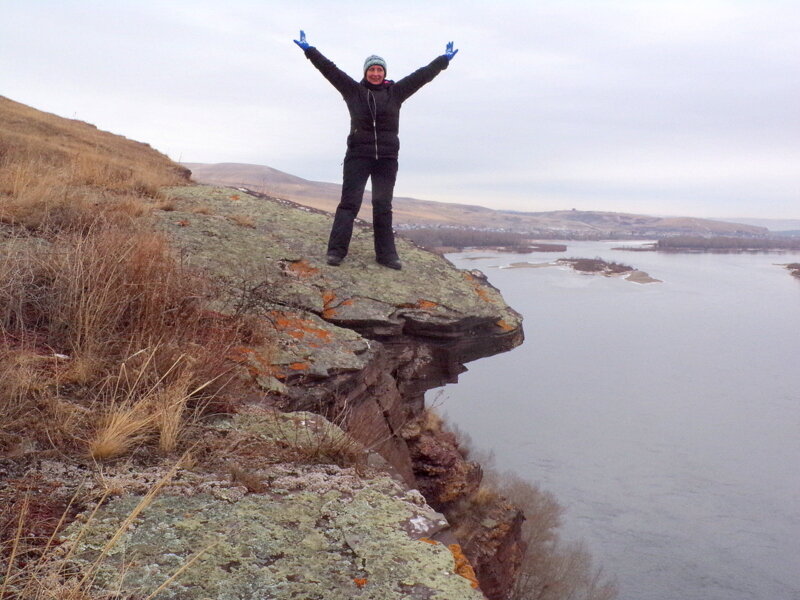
point(328, 298)
point(482, 293)
point(479, 288)
point(298, 327)
point(259, 365)
point(330, 303)
point(505, 325)
point(421, 303)
point(239, 354)
point(256, 363)
point(360, 581)
point(426, 304)
point(301, 268)
point(462, 566)
point(428, 540)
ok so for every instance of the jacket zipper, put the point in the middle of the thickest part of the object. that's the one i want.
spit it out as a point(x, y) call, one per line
point(373, 110)
point(375, 129)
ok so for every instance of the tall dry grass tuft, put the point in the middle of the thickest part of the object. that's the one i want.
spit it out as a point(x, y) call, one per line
point(110, 311)
point(169, 411)
point(144, 402)
point(123, 427)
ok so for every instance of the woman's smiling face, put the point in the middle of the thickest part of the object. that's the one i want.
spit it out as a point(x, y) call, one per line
point(375, 74)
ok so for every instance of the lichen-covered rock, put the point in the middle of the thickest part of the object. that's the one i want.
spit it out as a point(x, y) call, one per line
point(296, 540)
point(272, 253)
point(300, 436)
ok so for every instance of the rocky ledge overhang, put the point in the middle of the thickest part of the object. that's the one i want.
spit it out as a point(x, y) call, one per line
point(360, 343)
point(328, 321)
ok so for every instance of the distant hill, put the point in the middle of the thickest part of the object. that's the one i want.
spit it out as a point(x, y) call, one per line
point(782, 226)
point(414, 212)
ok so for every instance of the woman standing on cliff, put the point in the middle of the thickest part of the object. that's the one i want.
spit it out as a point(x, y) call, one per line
point(372, 146)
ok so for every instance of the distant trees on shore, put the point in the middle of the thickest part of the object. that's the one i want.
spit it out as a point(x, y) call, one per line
point(432, 238)
point(722, 244)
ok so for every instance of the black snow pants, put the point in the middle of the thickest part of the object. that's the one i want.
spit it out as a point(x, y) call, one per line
point(356, 172)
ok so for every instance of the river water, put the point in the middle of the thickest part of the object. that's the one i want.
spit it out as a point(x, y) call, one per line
point(665, 417)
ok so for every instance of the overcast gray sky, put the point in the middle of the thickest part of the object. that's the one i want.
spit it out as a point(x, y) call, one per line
point(658, 107)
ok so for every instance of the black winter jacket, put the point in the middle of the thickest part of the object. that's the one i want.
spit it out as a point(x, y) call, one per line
point(374, 109)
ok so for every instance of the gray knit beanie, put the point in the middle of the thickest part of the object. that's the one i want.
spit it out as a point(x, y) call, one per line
point(374, 60)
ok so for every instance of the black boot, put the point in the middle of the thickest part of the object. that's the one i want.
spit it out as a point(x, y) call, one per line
point(392, 263)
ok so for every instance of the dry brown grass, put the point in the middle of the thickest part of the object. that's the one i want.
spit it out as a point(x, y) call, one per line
point(101, 327)
point(169, 410)
point(88, 295)
point(147, 405)
point(108, 323)
point(123, 427)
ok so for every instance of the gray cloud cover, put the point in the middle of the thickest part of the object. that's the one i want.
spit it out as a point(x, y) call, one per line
point(655, 107)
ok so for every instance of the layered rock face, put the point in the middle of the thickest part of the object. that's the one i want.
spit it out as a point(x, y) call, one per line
point(359, 343)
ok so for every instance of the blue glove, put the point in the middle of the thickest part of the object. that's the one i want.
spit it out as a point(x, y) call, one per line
point(448, 54)
point(304, 44)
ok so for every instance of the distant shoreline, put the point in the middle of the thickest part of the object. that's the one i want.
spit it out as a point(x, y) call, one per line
point(718, 245)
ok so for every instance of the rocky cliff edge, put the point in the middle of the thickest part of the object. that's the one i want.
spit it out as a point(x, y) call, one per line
point(359, 344)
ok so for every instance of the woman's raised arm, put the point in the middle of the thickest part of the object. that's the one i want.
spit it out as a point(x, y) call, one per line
point(338, 78)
